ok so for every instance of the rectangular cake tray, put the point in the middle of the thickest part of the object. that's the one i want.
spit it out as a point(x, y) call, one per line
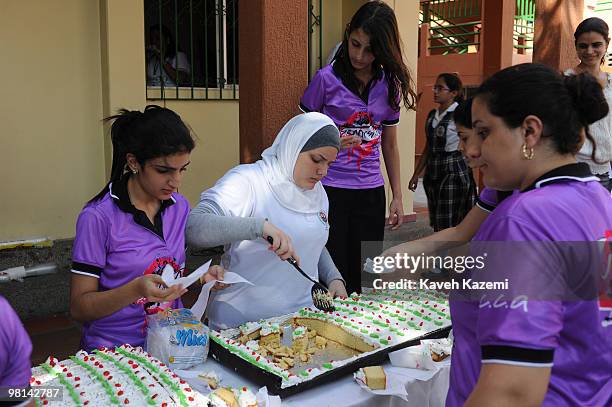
point(273, 382)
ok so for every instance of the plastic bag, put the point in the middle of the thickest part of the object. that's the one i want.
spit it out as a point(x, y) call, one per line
point(177, 338)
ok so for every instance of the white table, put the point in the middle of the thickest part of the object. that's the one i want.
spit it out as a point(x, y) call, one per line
point(424, 388)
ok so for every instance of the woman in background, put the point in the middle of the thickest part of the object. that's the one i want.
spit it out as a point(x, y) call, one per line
point(592, 40)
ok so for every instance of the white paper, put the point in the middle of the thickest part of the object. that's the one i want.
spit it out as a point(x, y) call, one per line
point(168, 275)
point(266, 400)
point(191, 278)
point(419, 356)
point(199, 307)
point(394, 386)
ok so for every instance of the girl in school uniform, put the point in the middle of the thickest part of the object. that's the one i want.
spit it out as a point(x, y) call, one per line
point(279, 196)
point(362, 92)
point(488, 199)
point(132, 229)
point(548, 351)
point(448, 181)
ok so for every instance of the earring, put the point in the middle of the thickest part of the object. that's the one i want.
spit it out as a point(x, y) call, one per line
point(528, 153)
point(134, 171)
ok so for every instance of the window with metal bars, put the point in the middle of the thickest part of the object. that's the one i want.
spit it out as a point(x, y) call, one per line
point(191, 49)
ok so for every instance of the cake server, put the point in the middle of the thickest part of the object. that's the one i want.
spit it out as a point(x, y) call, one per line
point(321, 298)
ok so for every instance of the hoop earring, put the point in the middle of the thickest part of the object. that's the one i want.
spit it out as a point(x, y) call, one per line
point(528, 153)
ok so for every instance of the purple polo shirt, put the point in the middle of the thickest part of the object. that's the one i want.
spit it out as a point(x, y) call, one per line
point(365, 116)
point(489, 198)
point(565, 205)
point(15, 348)
point(116, 243)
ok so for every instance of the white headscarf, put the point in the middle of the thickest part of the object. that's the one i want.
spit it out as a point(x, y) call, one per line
point(278, 162)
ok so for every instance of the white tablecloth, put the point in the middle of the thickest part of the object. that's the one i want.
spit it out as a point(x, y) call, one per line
point(424, 388)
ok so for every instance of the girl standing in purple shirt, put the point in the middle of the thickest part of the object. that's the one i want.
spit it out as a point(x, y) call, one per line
point(133, 229)
point(550, 351)
point(361, 91)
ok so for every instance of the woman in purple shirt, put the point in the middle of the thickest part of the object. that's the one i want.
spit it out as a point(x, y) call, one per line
point(549, 348)
point(362, 91)
point(132, 230)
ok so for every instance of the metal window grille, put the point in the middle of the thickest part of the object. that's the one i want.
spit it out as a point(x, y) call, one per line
point(524, 25)
point(454, 26)
point(199, 56)
point(315, 37)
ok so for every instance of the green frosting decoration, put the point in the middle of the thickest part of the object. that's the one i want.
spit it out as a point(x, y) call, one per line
point(328, 366)
point(167, 380)
point(92, 371)
point(71, 390)
point(129, 372)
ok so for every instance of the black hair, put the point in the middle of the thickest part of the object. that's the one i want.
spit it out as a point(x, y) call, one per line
point(463, 113)
point(453, 82)
point(564, 104)
point(378, 21)
point(593, 24)
point(167, 39)
point(155, 132)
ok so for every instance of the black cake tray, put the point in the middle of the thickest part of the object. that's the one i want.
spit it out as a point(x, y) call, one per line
point(273, 382)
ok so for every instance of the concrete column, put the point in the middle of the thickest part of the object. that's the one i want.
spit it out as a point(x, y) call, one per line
point(496, 36)
point(554, 32)
point(273, 69)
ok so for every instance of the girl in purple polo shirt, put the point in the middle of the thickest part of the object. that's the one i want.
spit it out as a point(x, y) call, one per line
point(362, 91)
point(545, 349)
point(15, 351)
point(133, 229)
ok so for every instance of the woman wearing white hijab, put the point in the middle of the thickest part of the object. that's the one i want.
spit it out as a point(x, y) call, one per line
point(280, 196)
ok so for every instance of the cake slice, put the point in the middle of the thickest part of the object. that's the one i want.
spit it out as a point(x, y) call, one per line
point(334, 333)
point(375, 377)
point(223, 397)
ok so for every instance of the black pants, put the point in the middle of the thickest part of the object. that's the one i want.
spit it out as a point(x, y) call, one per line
point(355, 216)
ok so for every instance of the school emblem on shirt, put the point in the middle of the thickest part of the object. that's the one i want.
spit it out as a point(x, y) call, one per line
point(361, 124)
point(323, 218)
point(157, 267)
